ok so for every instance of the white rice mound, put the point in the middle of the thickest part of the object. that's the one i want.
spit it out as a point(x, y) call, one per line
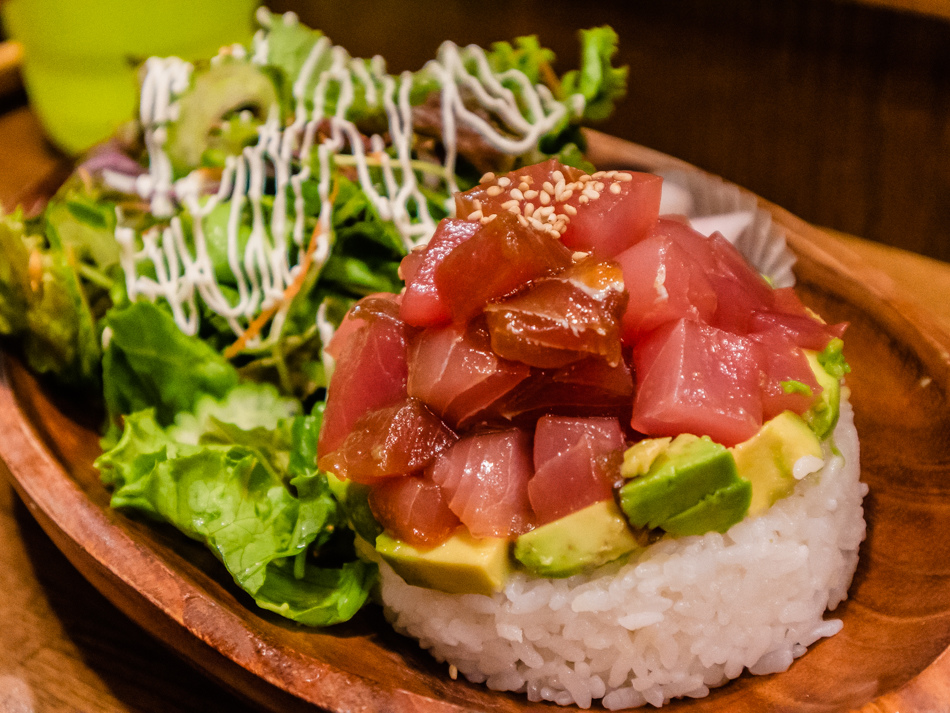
point(681, 617)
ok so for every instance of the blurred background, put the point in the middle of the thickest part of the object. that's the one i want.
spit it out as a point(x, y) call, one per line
point(837, 110)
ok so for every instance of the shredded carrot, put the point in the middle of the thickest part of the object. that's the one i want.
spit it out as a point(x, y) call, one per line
point(258, 323)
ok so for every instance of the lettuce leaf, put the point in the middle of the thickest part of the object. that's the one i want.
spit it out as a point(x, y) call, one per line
point(600, 83)
point(150, 363)
point(253, 496)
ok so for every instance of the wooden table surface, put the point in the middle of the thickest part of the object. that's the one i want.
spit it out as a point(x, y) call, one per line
point(64, 647)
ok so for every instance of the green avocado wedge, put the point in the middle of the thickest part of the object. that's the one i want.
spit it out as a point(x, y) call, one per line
point(577, 542)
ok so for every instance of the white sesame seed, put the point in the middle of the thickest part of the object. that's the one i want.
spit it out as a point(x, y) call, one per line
point(489, 218)
point(598, 186)
point(584, 179)
point(548, 186)
point(621, 176)
point(478, 204)
point(504, 181)
point(558, 176)
point(516, 194)
point(544, 197)
point(591, 194)
point(530, 195)
point(522, 220)
point(615, 188)
point(475, 215)
point(544, 211)
point(524, 185)
point(487, 177)
point(570, 210)
point(528, 209)
point(560, 186)
point(494, 190)
point(578, 256)
point(597, 174)
point(514, 208)
point(508, 205)
point(583, 198)
point(565, 196)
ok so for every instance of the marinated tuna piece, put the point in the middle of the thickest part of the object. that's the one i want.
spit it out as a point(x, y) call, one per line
point(497, 261)
point(665, 283)
point(603, 213)
point(485, 478)
point(574, 463)
point(454, 370)
point(590, 387)
point(694, 378)
point(371, 370)
point(414, 510)
point(396, 440)
point(562, 319)
point(422, 305)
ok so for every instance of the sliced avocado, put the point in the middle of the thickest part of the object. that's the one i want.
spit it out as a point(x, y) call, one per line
point(687, 471)
point(716, 512)
point(638, 458)
point(217, 92)
point(823, 415)
point(460, 565)
point(582, 540)
point(767, 459)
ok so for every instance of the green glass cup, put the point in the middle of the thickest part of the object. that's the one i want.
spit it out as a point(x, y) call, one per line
point(81, 57)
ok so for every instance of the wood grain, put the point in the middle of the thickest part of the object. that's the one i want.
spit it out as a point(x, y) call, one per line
point(889, 656)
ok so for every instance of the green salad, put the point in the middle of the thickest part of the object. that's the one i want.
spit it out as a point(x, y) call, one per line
point(192, 269)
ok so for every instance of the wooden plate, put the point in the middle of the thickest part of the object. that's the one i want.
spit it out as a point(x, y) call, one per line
point(889, 657)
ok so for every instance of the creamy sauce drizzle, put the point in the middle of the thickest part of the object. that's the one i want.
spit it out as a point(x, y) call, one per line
point(160, 264)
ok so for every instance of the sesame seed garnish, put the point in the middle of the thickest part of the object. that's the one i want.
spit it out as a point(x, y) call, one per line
point(598, 186)
point(584, 179)
point(558, 176)
point(514, 208)
point(516, 194)
point(591, 194)
point(478, 204)
point(494, 190)
point(522, 220)
point(544, 197)
point(489, 218)
point(621, 176)
point(545, 211)
point(565, 195)
point(615, 188)
point(524, 185)
point(475, 215)
point(528, 209)
point(578, 256)
point(508, 205)
point(527, 179)
point(530, 195)
point(548, 186)
point(487, 177)
point(597, 174)
point(570, 210)
point(583, 198)
point(504, 181)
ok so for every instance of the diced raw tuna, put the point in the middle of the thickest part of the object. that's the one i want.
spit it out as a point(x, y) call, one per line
point(790, 319)
point(603, 213)
point(499, 259)
point(371, 370)
point(562, 319)
point(485, 478)
point(574, 462)
point(414, 510)
point(694, 378)
point(455, 372)
point(395, 440)
point(422, 305)
point(665, 284)
point(788, 382)
point(590, 387)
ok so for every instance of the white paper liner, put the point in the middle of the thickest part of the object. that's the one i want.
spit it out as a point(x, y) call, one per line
point(715, 204)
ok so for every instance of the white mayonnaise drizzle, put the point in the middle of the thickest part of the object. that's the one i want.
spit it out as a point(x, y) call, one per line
point(183, 274)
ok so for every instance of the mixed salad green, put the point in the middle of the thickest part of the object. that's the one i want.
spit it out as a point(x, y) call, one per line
point(191, 271)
